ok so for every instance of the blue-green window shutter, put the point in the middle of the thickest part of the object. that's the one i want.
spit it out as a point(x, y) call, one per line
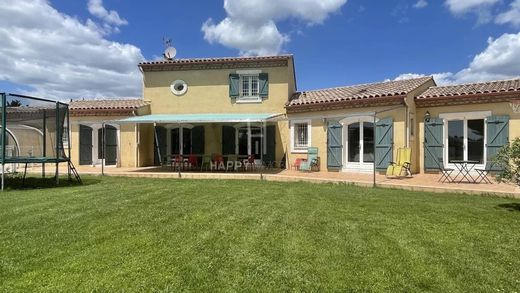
point(197, 140)
point(228, 140)
point(497, 137)
point(334, 145)
point(384, 143)
point(234, 85)
point(433, 145)
point(263, 85)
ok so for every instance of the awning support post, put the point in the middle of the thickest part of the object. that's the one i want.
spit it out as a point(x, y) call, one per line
point(157, 144)
point(4, 127)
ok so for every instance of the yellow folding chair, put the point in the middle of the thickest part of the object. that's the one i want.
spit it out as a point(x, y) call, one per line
point(400, 168)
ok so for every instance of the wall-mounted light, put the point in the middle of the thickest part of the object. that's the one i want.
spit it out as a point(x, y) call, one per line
point(427, 116)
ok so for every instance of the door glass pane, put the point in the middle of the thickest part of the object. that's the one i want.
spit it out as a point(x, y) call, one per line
point(256, 142)
point(175, 141)
point(476, 140)
point(353, 143)
point(368, 142)
point(242, 141)
point(186, 141)
point(455, 140)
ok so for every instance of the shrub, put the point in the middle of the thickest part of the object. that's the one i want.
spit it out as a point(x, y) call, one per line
point(508, 158)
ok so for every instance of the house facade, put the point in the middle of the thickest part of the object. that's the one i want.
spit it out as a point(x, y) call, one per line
point(249, 107)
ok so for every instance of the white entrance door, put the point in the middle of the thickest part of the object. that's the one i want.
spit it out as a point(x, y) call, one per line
point(359, 150)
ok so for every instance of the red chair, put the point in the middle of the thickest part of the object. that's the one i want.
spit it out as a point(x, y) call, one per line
point(250, 162)
point(297, 163)
point(218, 160)
point(193, 161)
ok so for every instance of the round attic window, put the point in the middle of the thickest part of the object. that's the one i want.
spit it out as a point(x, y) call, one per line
point(179, 87)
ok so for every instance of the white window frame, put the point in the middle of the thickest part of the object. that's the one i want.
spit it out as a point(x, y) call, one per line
point(360, 166)
point(464, 116)
point(249, 128)
point(169, 129)
point(301, 149)
point(248, 98)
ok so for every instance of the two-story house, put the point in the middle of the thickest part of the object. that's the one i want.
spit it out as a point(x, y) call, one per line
point(250, 107)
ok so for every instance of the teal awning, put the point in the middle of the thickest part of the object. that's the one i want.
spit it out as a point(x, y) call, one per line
point(201, 118)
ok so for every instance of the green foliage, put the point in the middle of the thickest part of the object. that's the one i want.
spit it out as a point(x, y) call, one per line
point(508, 158)
point(165, 235)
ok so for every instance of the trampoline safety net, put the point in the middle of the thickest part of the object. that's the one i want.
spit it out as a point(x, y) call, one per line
point(33, 130)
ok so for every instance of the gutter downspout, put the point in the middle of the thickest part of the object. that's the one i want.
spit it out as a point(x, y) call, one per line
point(407, 123)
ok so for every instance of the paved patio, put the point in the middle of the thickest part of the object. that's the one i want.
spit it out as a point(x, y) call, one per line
point(419, 182)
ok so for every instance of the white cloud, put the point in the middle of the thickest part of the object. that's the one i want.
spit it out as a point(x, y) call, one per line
point(96, 8)
point(512, 16)
point(250, 26)
point(500, 60)
point(59, 56)
point(463, 6)
point(420, 4)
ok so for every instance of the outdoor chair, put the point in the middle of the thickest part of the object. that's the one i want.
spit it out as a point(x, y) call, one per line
point(250, 163)
point(312, 160)
point(297, 163)
point(484, 172)
point(177, 162)
point(232, 159)
point(400, 168)
point(445, 173)
point(193, 162)
point(206, 162)
point(218, 160)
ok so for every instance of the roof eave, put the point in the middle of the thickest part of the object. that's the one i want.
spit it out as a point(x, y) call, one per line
point(452, 100)
point(325, 106)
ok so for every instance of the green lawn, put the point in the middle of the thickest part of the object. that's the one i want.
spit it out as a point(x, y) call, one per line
point(128, 234)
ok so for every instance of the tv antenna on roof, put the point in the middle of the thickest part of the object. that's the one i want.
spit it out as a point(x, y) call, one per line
point(170, 52)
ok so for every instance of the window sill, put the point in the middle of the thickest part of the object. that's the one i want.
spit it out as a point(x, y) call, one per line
point(248, 101)
point(299, 151)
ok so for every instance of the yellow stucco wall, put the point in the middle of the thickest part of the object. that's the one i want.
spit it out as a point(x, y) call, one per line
point(319, 128)
point(208, 91)
point(128, 139)
point(495, 108)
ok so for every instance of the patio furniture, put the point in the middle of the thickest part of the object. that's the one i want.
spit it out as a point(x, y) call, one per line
point(464, 170)
point(177, 162)
point(250, 163)
point(445, 173)
point(231, 162)
point(400, 168)
point(297, 163)
point(218, 161)
point(206, 162)
point(312, 160)
point(193, 161)
point(484, 172)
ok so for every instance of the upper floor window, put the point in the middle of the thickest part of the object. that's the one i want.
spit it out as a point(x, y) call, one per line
point(248, 86)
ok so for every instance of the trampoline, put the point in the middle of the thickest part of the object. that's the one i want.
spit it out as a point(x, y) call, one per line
point(33, 132)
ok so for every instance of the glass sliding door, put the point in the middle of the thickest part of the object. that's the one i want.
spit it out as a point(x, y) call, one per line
point(354, 147)
point(368, 142)
point(476, 140)
point(455, 140)
point(360, 143)
point(465, 140)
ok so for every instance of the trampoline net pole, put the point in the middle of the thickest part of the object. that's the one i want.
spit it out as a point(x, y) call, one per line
point(57, 139)
point(3, 139)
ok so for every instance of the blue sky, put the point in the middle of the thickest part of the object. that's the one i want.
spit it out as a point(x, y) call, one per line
point(344, 43)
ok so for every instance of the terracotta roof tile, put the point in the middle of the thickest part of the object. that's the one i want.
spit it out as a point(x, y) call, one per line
point(107, 104)
point(218, 60)
point(500, 86)
point(357, 92)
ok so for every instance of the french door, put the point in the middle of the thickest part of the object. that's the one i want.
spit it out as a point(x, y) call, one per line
point(360, 145)
point(465, 140)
